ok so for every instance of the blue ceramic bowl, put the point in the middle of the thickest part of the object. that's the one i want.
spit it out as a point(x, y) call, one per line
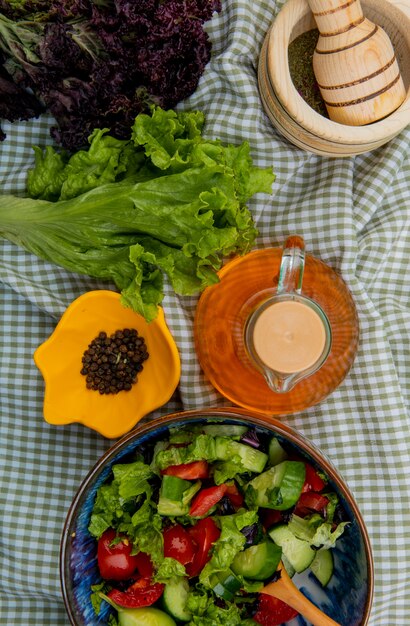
point(348, 596)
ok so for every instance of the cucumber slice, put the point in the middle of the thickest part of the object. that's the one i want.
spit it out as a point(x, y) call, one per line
point(144, 616)
point(276, 453)
point(175, 495)
point(278, 488)
point(258, 562)
point(229, 581)
point(322, 566)
point(253, 460)
point(297, 551)
point(173, 487)
point(288, 567)
point(225, 584)
point(224, 430)
point(174, 599)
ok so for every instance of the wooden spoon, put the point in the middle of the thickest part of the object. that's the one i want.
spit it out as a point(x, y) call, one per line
point(284, 589)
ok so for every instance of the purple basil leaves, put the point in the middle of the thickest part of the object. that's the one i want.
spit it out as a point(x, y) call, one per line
point(99, 64)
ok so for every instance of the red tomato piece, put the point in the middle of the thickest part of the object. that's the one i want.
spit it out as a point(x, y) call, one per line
point(140, 593)
point(313, 482)
point(188, 471)
point(269, 517)
point(115, 562)
point(204, 534)
point(206, 499)
point(310, 501)
point(144, 565)
point(178, 544)
point(234, 495)
point(273, 612)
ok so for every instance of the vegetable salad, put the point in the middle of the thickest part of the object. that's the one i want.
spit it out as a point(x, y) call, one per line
point(194, 526)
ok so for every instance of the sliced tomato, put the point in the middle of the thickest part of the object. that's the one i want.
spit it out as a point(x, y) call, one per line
point(269, 517)
point(204, 534)
point(310, 501)
point(141, 593)
point(188, 471)
point(178, 544)
point(115, 560)
point(313, 482)
point(272, 611)
point(234, 495)
point(144, 565)
point(206, 499)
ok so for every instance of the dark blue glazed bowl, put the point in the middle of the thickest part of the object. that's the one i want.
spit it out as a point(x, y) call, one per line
point(347, 598)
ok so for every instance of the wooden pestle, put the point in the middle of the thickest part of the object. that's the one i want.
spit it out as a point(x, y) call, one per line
point(354, 64)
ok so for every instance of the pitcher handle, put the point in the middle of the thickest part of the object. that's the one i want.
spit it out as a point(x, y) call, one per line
point(292, 266)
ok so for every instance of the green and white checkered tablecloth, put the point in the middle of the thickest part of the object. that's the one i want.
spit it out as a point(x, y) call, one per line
point(353, 213)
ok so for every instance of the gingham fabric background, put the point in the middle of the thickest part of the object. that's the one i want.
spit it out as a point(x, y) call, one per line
point(354, 214)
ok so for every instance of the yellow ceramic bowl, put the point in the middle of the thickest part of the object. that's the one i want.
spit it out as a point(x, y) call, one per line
point(66, 398)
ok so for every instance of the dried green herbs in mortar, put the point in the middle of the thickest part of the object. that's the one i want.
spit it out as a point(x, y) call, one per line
point(300, 53)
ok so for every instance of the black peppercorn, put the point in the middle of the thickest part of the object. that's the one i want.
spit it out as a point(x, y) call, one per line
point(111, 363)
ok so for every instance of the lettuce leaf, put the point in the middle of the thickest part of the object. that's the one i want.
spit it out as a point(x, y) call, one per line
point(203, 447)
point(57, 176)
point(132, 479)
point(112, 503)
point(325, 537)
point(145, 532)
point(205, 612)
point(166, 203)
point(226, 470)
point(316, 531)
point(230, 542)
point(169, 570)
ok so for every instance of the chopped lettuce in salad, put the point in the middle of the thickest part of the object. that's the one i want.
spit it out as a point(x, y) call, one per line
point(191, 529)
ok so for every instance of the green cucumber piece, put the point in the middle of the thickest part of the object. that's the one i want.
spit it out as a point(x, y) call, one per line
point(173, 487)
point(224, 430)
point(209, 448)
point(141, 616)
point(174, 599)
point(147, 616)
point(322, 566)
point(276, 453)
point(175, 495)
point(297, 551)
point(225, 584)
point(288, 567)
point(229, 581)
point(252, 460)
point(258, 562)
point(278, 488)
point(170, 508)
point(220, 591)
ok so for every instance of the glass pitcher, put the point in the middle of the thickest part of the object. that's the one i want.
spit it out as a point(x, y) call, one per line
point(234, 320)
point(288, 336)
